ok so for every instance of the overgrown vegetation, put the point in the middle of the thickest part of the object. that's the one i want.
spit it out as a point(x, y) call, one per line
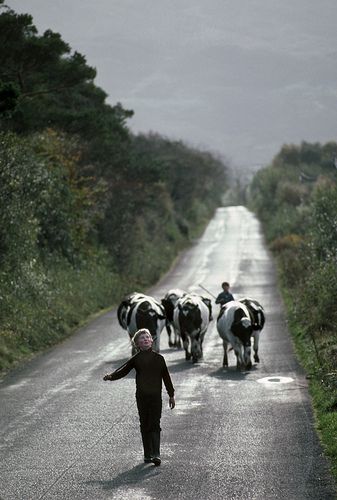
point(296, 200)
point(82, 201)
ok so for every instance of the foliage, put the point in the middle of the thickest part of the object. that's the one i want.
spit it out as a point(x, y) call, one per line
point(42, 83)
point(300, 221)
point(296, 200)
point(42, 303)
point(324, 223)
point(169, 190)
point(83, 201)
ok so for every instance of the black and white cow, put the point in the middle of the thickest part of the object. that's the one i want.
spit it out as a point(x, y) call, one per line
point(169, 302)
point(236, 325)
point(191, 318)
point(142, 311)
point(258, 319)
point(124, 306)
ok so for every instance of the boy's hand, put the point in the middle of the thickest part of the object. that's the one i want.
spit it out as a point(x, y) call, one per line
point(172, 403)
point(107, 377)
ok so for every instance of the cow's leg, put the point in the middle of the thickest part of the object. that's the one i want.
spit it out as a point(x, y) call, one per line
point(239, 356)
point(246, 354)
point(196, 346)
point(195, 350)
point(256, 336)
point(238, 360)
point(225, 357)
point(156, 343)
point(201, 342)
point(169, 333)
point(186, 345)
point(177, 340)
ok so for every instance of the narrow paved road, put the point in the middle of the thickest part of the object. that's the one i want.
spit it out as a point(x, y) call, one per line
point(66, 434)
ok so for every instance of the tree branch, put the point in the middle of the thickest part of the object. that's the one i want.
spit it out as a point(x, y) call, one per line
point(46, 91)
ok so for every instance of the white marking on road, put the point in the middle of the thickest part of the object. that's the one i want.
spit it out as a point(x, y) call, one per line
point(275, 380)
point(124, 493)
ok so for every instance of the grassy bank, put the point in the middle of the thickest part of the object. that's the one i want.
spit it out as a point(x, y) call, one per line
point(46, 302)
point(295, 198)
point(41, 305)
point(317, 353)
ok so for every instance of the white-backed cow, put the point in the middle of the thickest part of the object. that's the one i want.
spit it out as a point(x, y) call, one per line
point(191, 318)
point(258, 319)
point(236, 324)
point(124, 306)
point(142, 311)
point(169, 302)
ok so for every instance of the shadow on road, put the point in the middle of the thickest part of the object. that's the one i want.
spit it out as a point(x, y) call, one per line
point(136, 475)
point(231, 373)
point(181, 365)
point(169, 350)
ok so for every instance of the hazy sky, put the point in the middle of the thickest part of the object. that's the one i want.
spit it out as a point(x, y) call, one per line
point(239, 77)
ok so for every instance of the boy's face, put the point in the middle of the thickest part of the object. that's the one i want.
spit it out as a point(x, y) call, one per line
point(144, 341)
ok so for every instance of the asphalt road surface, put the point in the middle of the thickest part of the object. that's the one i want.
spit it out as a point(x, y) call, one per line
point(66, 434)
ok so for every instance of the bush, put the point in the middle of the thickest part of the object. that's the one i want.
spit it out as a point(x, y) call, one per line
point(42, 304)
point(299, 216)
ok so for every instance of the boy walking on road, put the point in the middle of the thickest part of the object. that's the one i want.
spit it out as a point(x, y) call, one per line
point(151, 370)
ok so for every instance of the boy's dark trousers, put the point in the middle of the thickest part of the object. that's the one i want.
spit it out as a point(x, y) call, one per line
point(149, 409)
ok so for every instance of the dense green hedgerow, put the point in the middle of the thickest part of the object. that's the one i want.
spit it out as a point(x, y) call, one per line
point(296, 200)
point(69, 247)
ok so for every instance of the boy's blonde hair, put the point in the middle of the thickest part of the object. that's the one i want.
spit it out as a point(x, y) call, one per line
point(138, 334)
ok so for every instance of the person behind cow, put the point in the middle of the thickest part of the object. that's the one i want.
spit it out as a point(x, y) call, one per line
point(225, 296)
point(151, 370)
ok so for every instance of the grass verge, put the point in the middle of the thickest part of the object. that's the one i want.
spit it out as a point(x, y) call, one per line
point(314, 353)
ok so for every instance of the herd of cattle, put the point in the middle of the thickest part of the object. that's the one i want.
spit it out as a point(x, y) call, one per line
point(187, 317)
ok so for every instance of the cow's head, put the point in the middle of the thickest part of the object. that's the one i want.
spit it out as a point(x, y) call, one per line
point(190, 323)
point(148, 317)
point(190, 311)
point(243, 329)
point(169, 308)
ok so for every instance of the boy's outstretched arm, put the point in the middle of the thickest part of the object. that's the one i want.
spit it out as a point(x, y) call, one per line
point(121, 371)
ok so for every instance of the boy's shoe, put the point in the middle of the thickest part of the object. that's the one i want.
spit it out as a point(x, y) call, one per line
point(156, 461)
point(147, 460)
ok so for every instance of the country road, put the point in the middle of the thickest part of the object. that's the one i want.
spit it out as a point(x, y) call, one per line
point(66, 434)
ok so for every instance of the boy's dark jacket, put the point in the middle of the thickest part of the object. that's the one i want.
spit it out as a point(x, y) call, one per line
point(150, 369)
point(223, 298)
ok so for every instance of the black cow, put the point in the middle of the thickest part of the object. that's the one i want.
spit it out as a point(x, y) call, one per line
point(191, 319)
point(169, 302)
